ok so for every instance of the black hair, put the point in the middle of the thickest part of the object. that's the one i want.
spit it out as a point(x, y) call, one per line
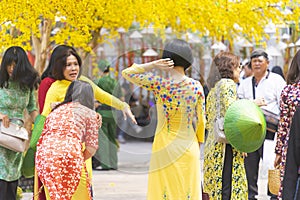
point(248, 65)
point(180, 52)
point(79, 91)
point(278, 70)
point(24, 73)
point(106, 69)
point(293, 74)
point(259, 52)
point(60, 61)
point(57, 51)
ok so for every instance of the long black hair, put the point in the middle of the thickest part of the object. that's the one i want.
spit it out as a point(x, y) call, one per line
point(59, 50)
point(79, 91)
point(23, 73)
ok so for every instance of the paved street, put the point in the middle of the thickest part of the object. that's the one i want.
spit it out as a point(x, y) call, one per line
point(130, 181)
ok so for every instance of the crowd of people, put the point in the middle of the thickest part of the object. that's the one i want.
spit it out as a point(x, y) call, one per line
point(79, 124)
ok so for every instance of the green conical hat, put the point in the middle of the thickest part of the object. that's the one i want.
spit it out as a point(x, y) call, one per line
point(245, 126)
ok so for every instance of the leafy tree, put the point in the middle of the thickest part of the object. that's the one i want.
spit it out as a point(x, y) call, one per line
point(38, 24)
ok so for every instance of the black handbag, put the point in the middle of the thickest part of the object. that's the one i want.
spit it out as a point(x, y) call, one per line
point(272, 119)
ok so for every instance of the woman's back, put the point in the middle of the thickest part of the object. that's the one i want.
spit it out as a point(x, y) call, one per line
point(176, 105)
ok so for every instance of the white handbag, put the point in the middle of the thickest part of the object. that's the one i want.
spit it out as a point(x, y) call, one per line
point(14, 137)
point(219, 134)
point(219, 130)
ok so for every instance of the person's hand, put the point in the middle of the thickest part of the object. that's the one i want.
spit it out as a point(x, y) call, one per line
point(99, 119)
point(277, 160)
point(53, 105)
point(127, 112)
point(245, 155)
point(87, 154)
point(163, 64)
point(5, 120)
point(260, 101)
point(97, 104)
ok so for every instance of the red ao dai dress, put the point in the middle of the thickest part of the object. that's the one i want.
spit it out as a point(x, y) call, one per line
point(59, 156)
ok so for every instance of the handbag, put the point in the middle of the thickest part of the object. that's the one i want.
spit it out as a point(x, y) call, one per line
point(14, 137)
point(274, 180)
point(219, 134)
point(272, 120)
point(219, 130)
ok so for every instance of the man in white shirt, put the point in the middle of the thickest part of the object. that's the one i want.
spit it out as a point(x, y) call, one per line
point(264, 87)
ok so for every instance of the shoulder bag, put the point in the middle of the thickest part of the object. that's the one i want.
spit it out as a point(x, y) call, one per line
point(14, 137)
point(219, 122)
point(272, 119)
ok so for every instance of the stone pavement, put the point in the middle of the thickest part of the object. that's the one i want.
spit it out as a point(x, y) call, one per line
point(129, 182)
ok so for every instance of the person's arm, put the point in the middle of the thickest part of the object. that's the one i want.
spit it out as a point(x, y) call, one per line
point(51, 97)
point(140, 74)
point(104, 97)
point(200, 109)
point(108, 99)
point(31, 106)
point(283, 122)
point(280, 85)
point(91, 134)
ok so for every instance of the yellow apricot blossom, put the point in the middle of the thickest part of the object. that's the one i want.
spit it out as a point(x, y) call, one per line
point(38, 24)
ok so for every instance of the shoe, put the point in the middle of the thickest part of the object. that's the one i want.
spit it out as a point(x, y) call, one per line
point(137, 128)
point(95, 163)
point(121, 139)
point(99, 168)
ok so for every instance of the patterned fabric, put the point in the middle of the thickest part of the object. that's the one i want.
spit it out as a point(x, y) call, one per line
point(57, 92)
point(214, 152)
point(175, 161)
point(290, 99)
point(58, 89)
point(59, 157)
point(13, 101)
point(39, 194)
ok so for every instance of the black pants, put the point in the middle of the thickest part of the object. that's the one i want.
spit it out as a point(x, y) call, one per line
point(252, 168)
point(8, 190)
point(297, 190)
point(227, 173)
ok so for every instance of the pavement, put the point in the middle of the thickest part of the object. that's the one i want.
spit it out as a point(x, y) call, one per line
point(129, 182)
